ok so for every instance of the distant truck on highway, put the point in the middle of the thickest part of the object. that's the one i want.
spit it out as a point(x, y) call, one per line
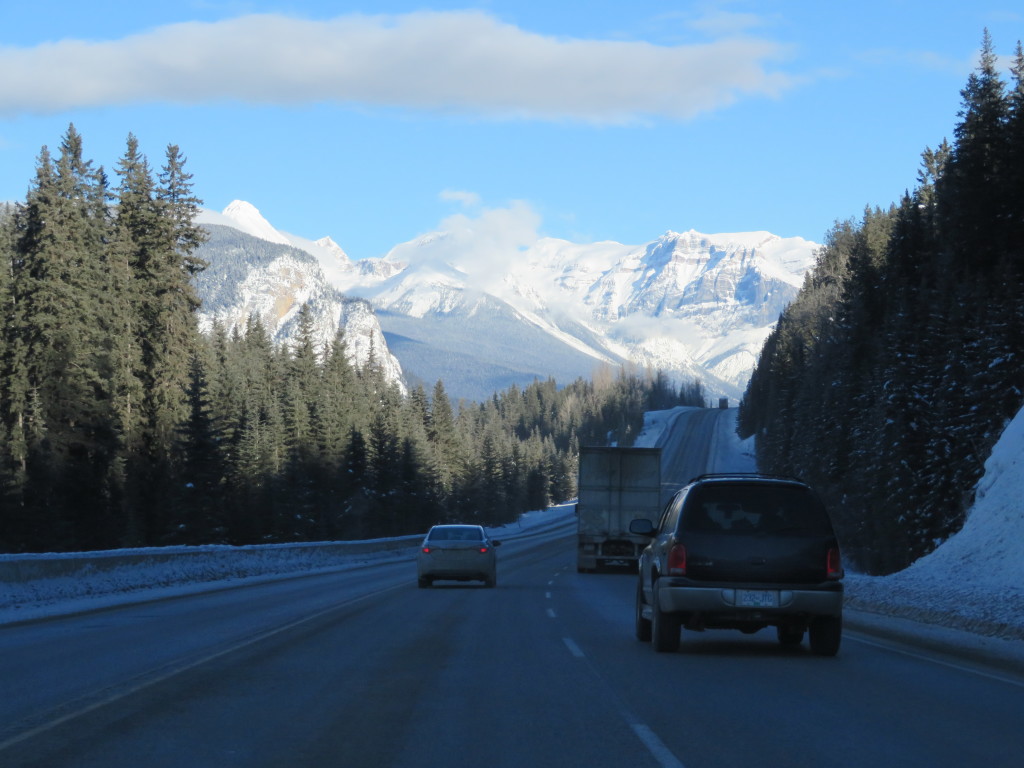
point(616, 486)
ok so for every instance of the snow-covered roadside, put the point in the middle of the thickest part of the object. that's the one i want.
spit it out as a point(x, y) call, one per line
point(728, 452)
point(972, 582)
point(169, 572)
point(655, 423)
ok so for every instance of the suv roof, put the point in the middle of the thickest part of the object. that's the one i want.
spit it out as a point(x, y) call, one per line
point(734, 476)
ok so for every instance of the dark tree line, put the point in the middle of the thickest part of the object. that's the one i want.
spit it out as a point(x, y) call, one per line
point(122, 425)
point(889, 378)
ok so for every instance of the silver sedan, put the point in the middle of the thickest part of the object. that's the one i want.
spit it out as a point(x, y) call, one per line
point(457, 553)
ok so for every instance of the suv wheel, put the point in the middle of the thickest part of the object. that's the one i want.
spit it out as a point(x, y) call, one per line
point(665, 627)
point(643, 626)
point(825, 634)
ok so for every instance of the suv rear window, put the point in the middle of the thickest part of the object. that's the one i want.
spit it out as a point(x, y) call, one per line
point(748, 508)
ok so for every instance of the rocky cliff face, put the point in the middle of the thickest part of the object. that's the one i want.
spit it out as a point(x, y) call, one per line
point(250, 276)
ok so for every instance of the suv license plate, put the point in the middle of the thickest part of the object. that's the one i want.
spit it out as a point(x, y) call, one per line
point(757, 598)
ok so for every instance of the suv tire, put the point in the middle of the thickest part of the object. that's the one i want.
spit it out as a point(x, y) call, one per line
point(665, 627)
point(826, 632)
point(643, 626)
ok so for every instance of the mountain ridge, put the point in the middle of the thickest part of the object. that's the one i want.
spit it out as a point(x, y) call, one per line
point(690, 304)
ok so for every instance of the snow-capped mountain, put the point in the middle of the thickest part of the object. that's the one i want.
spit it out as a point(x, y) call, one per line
point(253, 271)
point(481, 317)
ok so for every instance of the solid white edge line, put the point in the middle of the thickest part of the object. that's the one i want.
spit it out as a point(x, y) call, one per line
point(171, 671)
point(656, 746)
point(932, 659)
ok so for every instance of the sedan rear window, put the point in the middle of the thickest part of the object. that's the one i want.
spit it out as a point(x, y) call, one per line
point(457, 533)
point(754, 508)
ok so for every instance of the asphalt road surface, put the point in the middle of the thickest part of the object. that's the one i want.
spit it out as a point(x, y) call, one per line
point(693, 445)
point(362, 668)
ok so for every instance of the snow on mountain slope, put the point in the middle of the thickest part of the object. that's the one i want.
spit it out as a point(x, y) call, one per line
point(247, 218)
point(690, 304)
point(250, 276)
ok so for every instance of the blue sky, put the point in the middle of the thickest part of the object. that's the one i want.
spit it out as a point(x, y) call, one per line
point(376, 122)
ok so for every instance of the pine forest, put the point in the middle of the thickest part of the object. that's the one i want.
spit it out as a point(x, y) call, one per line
point(884, 384)
point(123, 425)
point(887, 381)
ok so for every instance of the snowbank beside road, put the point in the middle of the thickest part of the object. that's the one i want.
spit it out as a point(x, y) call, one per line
point(92, 580)
point(975, 579)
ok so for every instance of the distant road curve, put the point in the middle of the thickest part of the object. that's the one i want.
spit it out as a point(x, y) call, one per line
point(699, 441)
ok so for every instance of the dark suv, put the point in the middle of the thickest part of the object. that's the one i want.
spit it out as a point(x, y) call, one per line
point(741, 552)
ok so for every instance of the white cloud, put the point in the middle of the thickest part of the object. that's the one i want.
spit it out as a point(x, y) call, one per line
point(484, 246)
point(493, 241)
point(460, 62)
point(927, 61)
point(466, 199)
point(717, 22)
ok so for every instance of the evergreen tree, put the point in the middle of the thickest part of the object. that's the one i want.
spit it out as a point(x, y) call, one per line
point(974, 197)
point(122, 425)
point(125, 389)
point(1013, 185)
point(200, 514)
point(54, 359)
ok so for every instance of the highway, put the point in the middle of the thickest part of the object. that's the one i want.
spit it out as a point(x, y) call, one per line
point(362, 668)
point(695, 444)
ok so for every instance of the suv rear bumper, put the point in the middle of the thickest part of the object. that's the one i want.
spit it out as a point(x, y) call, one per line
point(680, 596)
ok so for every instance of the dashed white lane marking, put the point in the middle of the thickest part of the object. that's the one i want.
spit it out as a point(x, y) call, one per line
point(661, 754)
point(547, 595)
point(573, 648)
point(551, 613)
point(656, 746)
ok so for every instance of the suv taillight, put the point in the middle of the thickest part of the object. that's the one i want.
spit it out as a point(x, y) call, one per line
point(834, 564)
point(677, 560)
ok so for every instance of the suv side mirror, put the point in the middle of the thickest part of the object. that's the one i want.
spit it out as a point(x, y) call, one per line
point(642, 527)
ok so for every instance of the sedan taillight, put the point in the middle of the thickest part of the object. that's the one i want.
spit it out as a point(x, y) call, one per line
point(677, 560)
point(484, 550)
